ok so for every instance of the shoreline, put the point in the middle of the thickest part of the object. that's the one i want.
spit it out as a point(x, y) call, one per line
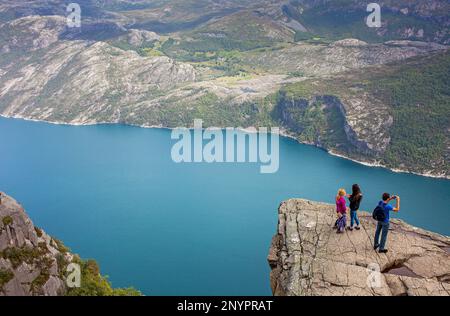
point(366, 163)
point(282, 133)
point(395, 170)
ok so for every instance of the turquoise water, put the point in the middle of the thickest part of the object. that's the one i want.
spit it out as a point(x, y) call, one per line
point(112, 193)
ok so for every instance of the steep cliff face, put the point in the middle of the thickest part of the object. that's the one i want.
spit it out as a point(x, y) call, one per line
point(364, 130)
point(31, 262)
point(371, 138)
point(307, 257)
point(34, 263)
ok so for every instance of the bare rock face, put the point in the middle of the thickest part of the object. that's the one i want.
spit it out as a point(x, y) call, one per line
point(340, 56)
point(140, 37)
point(31, 262)
point(367, 122)
point(31, 33)
point(349, 42)
point(307, 257)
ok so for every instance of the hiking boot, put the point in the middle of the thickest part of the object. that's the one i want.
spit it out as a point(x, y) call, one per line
point(376, 247)
point(357, 228)
point(383, 251)
point(350, 228)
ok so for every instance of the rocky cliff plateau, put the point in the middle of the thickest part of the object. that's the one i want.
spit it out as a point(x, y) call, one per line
point(308, 258)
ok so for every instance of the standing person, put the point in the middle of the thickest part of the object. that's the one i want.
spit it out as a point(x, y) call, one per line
point(355, 200)
point(381, 214)
point(341, 210)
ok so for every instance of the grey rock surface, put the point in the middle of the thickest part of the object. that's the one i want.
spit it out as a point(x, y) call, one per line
point(308, 258)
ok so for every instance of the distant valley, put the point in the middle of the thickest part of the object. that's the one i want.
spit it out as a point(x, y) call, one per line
point(311, 67)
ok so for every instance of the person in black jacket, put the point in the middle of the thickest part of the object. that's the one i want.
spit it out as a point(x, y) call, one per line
point(355, 200)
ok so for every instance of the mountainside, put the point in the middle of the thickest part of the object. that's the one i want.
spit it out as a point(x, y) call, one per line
point(302, 65)
point(307, 257)
point(33, 263)
point(396, 115)
point(413, 20)
point(401, 19)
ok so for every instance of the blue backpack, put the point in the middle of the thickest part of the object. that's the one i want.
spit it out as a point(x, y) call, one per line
point(379, 213)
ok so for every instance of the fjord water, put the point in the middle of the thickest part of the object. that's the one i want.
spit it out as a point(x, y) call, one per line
point(112, 193)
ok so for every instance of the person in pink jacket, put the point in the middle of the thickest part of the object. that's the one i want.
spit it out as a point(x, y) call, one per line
point(341, 210)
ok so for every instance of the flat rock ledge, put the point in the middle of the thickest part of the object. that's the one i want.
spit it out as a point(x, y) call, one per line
point(308, 258)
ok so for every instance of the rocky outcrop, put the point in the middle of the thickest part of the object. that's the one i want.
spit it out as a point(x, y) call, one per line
point(338, 57)
point(31, 33)
point(141, 37)
point(307, 257)
point(31, 262)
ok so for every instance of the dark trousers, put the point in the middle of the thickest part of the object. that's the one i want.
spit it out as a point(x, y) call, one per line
point(384, 229)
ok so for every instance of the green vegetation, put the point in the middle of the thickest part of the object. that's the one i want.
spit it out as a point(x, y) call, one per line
point(341, 19)
point(25, 254)
point(338, 24)
point(39, 281)
point(62, 264)
point(296, 74)
point(147, 49)
point(420, 98)
point(312, 120)
point(223, 51)
point(242, 31)
point(297, 90)
point(214, 111)
point(5, 277)
point(333, 133)
point(60, 246)
point(311, 38)
point(123, 45)
point(38, 231)
point(94, 284)
point(150, 52)
point(7, 220)
point(217, 44)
